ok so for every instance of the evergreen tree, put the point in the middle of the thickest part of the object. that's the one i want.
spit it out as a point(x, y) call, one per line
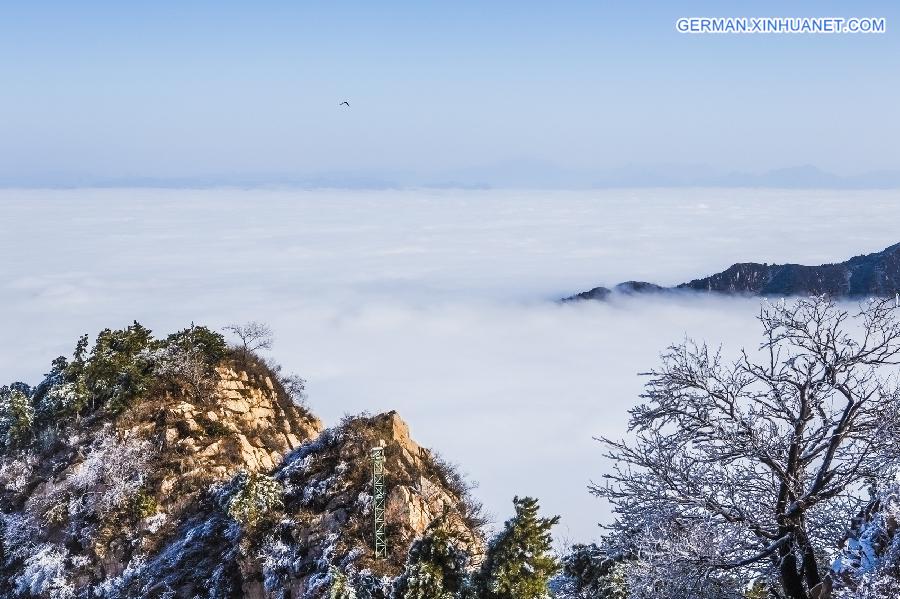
point(435, 567)
point(210, 344)
point(22, 413)
point(118, 369)
point(519, 563)
point(16, 416)
point(594, 574)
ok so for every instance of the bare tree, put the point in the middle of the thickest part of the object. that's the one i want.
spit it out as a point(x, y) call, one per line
point(253, 336)
point(772, 452)
point(186, 368)
point(295, 387)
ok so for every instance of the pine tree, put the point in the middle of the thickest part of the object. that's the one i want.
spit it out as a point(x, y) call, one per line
point(16, 416)
point(594, 573)
point(519, 563)
point(118, 369)
point(435, 566)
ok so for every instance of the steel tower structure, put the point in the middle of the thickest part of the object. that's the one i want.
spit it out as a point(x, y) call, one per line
point(378, 495)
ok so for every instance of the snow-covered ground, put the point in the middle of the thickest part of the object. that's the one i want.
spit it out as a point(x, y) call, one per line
point(434, 303)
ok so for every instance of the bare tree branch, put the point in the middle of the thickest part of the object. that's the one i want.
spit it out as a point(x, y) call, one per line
point(773, 449)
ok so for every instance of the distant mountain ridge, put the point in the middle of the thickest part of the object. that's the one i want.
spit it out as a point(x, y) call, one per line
point(876, 274)
point(522, 173)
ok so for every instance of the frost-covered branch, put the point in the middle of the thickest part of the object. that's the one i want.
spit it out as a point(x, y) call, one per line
point(771, 452)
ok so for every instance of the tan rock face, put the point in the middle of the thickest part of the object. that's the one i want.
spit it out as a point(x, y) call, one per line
point(247, 423)
point(408, 509)
point(330, 490)
point(171, 444)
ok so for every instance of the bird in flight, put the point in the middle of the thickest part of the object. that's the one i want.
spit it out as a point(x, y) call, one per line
point(345, 102)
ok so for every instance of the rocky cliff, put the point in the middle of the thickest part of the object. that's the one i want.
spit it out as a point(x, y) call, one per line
point(320, 523)
point(104, 491)
point(200, 475)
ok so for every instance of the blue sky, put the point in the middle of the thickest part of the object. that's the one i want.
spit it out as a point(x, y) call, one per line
point(440, 92)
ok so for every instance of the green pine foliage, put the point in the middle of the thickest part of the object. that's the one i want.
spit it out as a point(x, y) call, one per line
point(435, 567)
point(107, 377)
point(16, 416)
point(58, 396)
point(143, 504)
point(118, 369)
point(209, 344)
point(519, 561)
point(594, 574)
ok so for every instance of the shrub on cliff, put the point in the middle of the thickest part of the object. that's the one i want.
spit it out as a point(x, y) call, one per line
point(123, 364)
point(186, 360)
point(251, 337)
point(254, 498)
point(340, 587)
point(107, 483)
point(59, 395)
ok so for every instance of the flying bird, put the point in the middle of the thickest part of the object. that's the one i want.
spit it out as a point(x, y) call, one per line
point(345, 102)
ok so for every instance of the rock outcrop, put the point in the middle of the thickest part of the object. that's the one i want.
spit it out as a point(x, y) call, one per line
point(187, 470)
point(250, 425)
point(323, 524)
point(106, 490)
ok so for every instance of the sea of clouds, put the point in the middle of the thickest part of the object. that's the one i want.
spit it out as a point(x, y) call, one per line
point(436, 303)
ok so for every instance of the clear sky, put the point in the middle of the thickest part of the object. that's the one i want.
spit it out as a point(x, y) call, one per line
point(94, 91)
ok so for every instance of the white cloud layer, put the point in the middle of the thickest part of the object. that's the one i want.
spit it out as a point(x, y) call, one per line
point(434, 303)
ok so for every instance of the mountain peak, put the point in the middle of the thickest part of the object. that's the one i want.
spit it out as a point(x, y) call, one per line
point(178, 467)
point(870, 275)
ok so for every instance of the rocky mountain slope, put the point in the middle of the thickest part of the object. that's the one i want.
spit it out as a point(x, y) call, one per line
point(181, 468)
point(876, 274)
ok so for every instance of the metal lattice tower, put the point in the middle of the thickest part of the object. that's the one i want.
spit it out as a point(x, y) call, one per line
point(378, 502)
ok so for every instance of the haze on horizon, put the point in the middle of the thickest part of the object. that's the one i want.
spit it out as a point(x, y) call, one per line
point(524, 93)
